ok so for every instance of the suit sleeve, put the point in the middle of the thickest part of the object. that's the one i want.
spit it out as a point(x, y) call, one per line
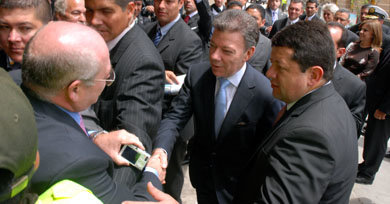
point(296, 174)
point(190, 54)
point(205, 19)
point(273, 31)
point(175, 118)
point(139, 100)
point(357, 105)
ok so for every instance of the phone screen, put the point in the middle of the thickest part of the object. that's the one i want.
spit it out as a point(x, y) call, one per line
point(130, 154)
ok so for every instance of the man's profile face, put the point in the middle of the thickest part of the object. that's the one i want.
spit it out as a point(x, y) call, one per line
point(274, 4)
point(189, 6)
point(257, 15)
point(342, 18)
point(17, 26)
point(218, 3)
point(167, 10)
point(294, 10)
point(227, 53)
point(336, 34)
point(311, 9)
point(75, 12)
point(363, 13)
point(288, 82)
point(107, 18)
point(138, 7)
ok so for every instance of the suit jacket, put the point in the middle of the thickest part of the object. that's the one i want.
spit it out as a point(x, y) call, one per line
point(315, 18)
point(378, 89)
point(134, 101)
point(268, 16)
point(213, 6)
point(353, 91)
point(278, 25)
point(260, 59)
point(67, 153)
point(179, 48)
point(310, 156)
point(252, 107)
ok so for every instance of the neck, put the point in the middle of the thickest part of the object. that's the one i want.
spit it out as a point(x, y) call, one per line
point(365, 44)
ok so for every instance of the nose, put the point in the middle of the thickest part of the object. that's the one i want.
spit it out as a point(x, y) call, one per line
point(270, 73)
point(14, 36)
point(214, 55)
point(82, 18)
point(93, 18)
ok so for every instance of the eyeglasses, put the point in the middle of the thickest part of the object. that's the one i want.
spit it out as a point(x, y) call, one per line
point(110, 79)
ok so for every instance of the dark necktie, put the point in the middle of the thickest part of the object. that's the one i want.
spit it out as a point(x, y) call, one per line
point(157, 39)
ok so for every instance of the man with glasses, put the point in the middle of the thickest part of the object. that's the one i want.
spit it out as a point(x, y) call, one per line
point(342, 17)
point(65, 69)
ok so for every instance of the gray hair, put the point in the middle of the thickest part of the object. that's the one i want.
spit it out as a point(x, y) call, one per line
point(330, 7)
point(344, 10)
point(238, 21)
point(60, 6)
point(53, 71)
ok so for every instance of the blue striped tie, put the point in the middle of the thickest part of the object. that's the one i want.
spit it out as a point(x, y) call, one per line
point(220, 104)
point(157, 39)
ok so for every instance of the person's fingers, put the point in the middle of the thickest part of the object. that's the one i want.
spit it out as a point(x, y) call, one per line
point(131, 139)
point(164, 160)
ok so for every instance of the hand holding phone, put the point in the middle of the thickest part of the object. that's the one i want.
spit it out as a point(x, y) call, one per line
point(136, 157)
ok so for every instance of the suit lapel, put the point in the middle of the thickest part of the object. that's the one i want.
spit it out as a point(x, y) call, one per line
point(117, 52)
point(169, 38)
point(242, 98)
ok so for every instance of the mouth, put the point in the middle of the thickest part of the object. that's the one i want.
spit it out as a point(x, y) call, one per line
point(16, 49)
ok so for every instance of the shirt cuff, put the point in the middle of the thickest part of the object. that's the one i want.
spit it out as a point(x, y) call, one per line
point(151, 170)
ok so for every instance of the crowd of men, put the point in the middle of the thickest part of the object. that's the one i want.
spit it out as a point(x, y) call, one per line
point(265, 114)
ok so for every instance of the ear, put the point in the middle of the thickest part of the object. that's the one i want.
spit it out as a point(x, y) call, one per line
point(262, 22)
point(181, 2)
point(249, 53)
point(58, 16)
point(130, 9)
point(73, 91)
point(315, 74)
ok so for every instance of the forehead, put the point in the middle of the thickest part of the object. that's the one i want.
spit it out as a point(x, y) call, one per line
point(227, 38)
point(18, 15)
point(310, 4)
point(295, 5)
point(97, 4)
point(254, 12)
point(341, 14)
point(74, 3)
point(281, 54)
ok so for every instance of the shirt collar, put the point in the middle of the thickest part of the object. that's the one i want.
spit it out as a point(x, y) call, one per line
point(167, 27)
point(311, 17)
point(75, 115)
point(236, 78)
point(193, 14)
point(115, 41)
point(293, 21)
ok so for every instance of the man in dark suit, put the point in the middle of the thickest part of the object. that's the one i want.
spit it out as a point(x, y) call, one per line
point(348, 85)
point(272, 14)
point(60, 79)
point(198, 16)
point(295, 9)
point(35, 13)
point(342, 17)
point(217, 7)
point(134, 100)
point(229, 100)
point(311, 11)
point(378, 124)
point(179, 47)
point(260, 59)
point(310, 154)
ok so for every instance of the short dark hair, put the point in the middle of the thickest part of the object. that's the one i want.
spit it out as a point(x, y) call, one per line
point(122, 3)
point(42, 7)
point(298, 1)
point(233, 3)
point(313, 1)
point(235, 20)
point(344, 36)
point(312, 45)
point(257, 7)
